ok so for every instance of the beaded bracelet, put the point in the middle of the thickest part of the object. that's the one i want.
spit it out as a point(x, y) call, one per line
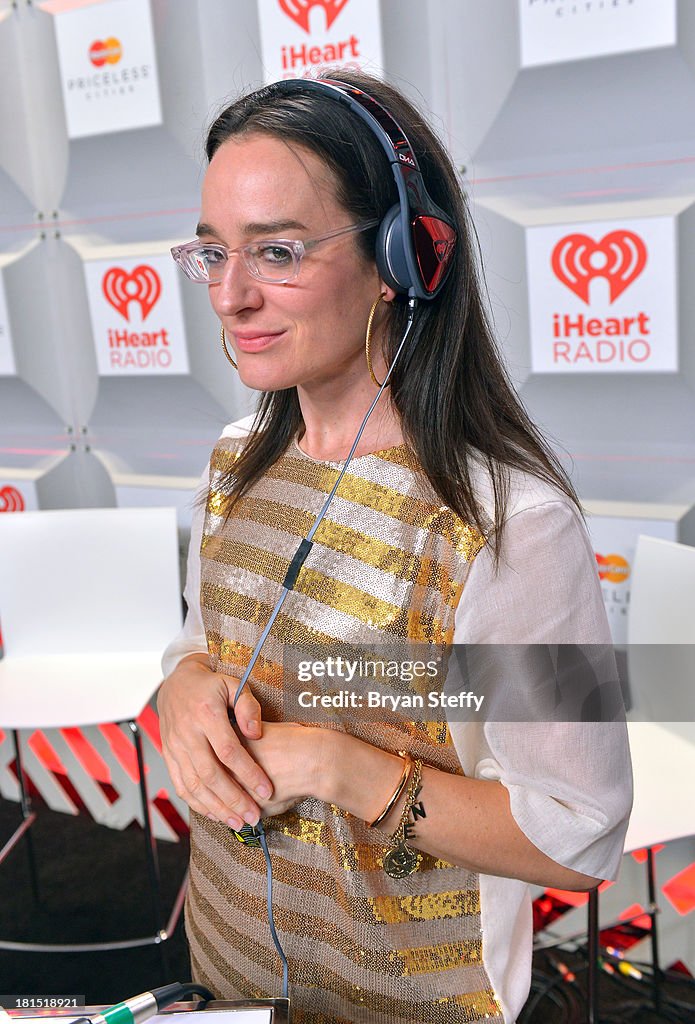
point(403, 781)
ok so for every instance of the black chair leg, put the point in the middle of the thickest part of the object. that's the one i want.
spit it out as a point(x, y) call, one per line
point(593, 956)
point(654, 935)
point(150, 850)
point(28, 815)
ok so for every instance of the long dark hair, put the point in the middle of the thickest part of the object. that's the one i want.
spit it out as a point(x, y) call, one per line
point(449, 386)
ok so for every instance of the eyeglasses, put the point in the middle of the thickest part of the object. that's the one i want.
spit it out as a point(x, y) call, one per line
point(272, 260)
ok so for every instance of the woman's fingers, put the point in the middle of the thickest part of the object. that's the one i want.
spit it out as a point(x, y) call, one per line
point(210, 787)
point(202, 780)
point(229, 749)
point(205, 803)
point(247, 712)
point(206, 759)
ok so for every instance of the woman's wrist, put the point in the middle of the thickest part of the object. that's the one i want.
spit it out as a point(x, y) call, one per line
point(354, 775)
point(309, 745)
point(320, 762)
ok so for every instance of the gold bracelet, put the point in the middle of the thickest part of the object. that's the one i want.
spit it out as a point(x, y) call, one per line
point(407, 769)
point(401, 860)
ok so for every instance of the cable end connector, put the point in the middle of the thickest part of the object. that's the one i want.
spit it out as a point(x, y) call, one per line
point(249, 835)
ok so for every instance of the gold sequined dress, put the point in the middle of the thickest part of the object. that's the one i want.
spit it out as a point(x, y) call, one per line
point(388, 563)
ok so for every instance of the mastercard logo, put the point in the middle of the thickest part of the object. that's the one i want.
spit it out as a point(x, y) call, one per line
point(106, 51)
point(613, 568)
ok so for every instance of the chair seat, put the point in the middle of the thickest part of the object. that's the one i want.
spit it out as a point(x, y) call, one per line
point(663, 765)
point(58, 690)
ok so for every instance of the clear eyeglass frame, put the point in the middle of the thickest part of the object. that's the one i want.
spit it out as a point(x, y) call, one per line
point(271, 260)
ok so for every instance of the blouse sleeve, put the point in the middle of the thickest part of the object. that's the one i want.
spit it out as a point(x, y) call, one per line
point(569, 783)
point(191, 639)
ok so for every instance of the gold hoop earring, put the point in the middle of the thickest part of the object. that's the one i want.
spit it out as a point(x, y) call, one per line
point(368, 340)
point(225, 349)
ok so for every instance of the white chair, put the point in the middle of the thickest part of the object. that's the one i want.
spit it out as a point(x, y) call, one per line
point(89, 598)
point(661, 672)
point(661, 675)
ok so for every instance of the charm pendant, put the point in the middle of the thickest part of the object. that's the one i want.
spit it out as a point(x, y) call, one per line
point(401, 861)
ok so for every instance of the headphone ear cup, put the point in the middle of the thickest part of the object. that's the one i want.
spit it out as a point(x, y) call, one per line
point(390, 251)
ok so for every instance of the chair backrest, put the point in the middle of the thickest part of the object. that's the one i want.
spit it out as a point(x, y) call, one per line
point(661, 632)
point(84, 580)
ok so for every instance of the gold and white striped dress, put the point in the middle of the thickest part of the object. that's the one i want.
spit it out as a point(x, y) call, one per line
point(388, 564)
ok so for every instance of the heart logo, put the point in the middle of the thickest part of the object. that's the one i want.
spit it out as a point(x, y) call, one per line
point(142, 285)
point(298, 10)
point(620, 257)
point(442, 248)
point(613, 568)
point(11, 499)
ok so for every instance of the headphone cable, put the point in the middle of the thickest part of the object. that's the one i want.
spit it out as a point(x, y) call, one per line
point(256, 835)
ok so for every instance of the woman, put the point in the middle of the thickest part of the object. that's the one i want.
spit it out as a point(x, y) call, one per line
point(400, 854)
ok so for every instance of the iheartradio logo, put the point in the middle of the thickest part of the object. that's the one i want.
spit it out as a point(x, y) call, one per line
point(298, 10)
point(141, 285)
point(625, 322)
point(442, 249)
point(137, 321)
point(106, 51)
point(620, 257)
point(11, 499)
point(613, 568)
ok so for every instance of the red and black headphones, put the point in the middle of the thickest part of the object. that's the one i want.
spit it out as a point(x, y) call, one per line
point(416, 239)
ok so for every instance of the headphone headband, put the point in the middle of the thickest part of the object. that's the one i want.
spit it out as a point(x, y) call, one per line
point(416, 239)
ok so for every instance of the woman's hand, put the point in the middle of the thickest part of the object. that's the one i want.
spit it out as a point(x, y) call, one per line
point(291, 755)
point(207, 761)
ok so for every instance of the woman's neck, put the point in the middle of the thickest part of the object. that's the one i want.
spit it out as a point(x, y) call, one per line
point(329, 432)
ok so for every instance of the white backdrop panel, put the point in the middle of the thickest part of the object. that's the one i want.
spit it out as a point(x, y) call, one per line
point(300, 39)
point(108, 66)
point(573, 29)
